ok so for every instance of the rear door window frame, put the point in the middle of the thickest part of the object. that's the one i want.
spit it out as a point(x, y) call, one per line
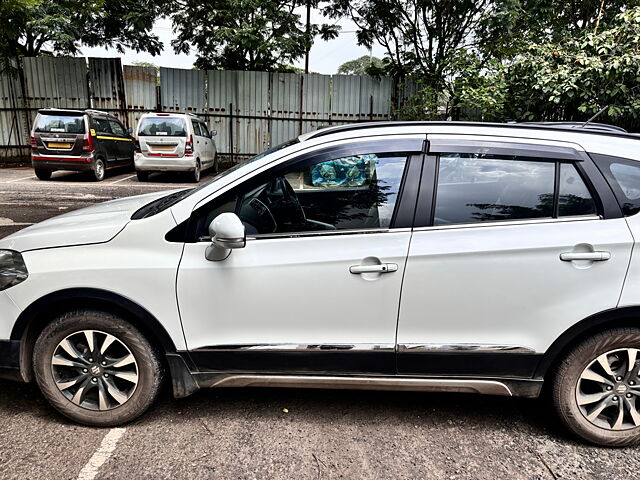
point(606, 204)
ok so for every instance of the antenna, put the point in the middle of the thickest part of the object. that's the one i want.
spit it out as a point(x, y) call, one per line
point(594, 117)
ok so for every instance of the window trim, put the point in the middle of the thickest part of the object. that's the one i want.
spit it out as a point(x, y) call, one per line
point(606, 204)
point(412, 147)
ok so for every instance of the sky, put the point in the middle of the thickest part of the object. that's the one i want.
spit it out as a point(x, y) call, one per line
point(324, 57)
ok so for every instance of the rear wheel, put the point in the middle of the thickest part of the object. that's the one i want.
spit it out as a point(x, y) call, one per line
point(96, 369)
point(142, 176)
point(99, 169)
point(596, 390)
point(196, 173)
point(43, 173)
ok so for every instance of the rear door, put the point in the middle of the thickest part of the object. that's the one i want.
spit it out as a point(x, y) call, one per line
point(59, 133)
point(162, 135)
point(519, 242)
point(208, 143)
point(105, 143)
point(123, 142)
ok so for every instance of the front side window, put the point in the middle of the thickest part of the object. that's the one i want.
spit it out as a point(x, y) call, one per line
point(345, 192)
point(479, 188)
point(116, 127)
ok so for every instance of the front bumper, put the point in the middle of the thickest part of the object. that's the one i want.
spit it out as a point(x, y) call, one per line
point(164, 164)
point(63, 162)
point(10, 360)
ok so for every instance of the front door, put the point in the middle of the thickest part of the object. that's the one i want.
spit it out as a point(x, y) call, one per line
point(522, 243)
point(317, 287)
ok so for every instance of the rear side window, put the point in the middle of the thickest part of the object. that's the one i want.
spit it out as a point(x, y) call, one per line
point(59, 124)
point(205, 130)
point(623, 176)
point(196, 128)
point(162, 126)
point(487, 188)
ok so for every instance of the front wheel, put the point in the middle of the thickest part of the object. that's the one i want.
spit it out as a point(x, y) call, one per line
point(96, 369)
point(596, 390)
point(99, 169)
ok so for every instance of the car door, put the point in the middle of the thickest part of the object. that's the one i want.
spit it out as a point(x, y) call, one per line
point(522, 240)
point(198, 142)
point(208, 144)
point(122, 141)
point(318, 284)
point(104, 136)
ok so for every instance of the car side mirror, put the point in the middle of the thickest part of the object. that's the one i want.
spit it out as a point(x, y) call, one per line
point(213, 133)
point(227, 232)
point(129, 130)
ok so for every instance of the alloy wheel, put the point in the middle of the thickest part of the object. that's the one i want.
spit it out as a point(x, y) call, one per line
point(94, 370)
point(608, 390)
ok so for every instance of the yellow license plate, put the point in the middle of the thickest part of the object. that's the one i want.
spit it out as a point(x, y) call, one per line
point(59, 145)
point(163, 148)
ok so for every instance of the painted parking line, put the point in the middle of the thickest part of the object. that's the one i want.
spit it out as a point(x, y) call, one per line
point(19, 179)
point(121, 179)
point(102, 454)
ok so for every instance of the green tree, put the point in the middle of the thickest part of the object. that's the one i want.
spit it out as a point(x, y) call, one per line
point(360, 66)
point(577, 76)
point(244, 34)
point(33, 27)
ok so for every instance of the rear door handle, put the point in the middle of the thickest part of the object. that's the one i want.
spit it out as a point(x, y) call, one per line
point(592, 256)
point(380, 268)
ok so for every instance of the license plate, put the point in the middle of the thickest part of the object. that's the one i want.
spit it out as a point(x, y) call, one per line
point(58, 145)
point(162, 148)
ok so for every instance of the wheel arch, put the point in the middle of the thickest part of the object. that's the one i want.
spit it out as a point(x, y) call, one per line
point(34, 318)
point(617, 317)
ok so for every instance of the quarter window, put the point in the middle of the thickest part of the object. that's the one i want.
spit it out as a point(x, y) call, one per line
point(479, 188)
point(574, 196)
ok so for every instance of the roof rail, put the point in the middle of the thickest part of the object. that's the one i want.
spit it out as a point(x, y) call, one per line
point(592, 128)
point(578, 125)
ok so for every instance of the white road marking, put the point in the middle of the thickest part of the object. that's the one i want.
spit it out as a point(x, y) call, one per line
point(5, 222)
point(121, 180)
point(19, 179)
point(104, 452)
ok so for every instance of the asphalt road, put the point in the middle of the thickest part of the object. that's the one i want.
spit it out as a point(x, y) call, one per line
point(229, 434)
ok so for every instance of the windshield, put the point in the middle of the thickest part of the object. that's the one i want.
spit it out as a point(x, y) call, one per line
point(167, 201)
point(162, 126)
point(59, 124)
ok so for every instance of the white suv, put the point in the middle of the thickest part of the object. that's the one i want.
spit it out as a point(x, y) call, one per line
point(484, 258)
point(174, 142)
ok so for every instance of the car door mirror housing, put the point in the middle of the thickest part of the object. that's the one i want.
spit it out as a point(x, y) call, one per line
point(213, 133)
point(227, 232)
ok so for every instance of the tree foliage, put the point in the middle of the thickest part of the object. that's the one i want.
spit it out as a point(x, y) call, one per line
point(244, 34)
point(33, 27)
point(361, 66)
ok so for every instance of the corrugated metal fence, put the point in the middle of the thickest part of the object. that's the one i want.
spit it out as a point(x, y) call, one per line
point(250, 110)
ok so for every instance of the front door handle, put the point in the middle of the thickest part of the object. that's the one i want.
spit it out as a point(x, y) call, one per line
point(379, 268)
point(591, 256)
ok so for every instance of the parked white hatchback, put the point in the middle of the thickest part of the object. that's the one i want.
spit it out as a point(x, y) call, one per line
point(174, 142)
point(487, 258)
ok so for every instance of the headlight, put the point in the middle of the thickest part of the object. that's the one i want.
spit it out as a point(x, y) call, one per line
point(12, 269)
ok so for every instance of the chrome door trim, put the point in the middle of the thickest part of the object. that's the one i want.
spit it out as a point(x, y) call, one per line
point(295, 347)
point(463, 347)
point(489, 387)
point(506, 223)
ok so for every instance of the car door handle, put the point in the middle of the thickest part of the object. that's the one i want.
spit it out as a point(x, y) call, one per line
point(592, 256)
point(380, 268)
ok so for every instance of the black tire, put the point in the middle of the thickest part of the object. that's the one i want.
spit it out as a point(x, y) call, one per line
point(215, 163)
point(148, 368)
point(142, 176)
point(196, 173)
point(99, 170)
point(43, 173)
point(566, 387)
